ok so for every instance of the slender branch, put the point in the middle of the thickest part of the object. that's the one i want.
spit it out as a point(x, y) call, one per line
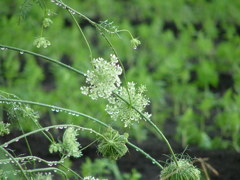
point(41, 56)
point(47, 169)
point(153, 125)
point(60, 109)
point(17, 163)
point(46, 129)
point(81, 31)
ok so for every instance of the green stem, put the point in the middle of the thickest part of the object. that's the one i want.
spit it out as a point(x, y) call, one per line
point(72, 171)
point(46, 169)
point(81, 31)
point(47, 128)
point(80, 114)
point(19, 166)
point(44, 57)
point(153, 125)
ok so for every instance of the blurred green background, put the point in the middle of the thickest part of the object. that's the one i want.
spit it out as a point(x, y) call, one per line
point(188, 59)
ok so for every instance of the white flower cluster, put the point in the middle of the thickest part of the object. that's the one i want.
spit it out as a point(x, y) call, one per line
point(41, 42)
point(120, 110)
point(103, 79)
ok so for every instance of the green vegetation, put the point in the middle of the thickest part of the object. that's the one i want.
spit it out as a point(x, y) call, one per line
point(185, 52)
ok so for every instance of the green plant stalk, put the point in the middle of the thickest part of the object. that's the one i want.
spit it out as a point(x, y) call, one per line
point(46, 169)
point(84, 115)
point(32, 158)
point(50, 127)
point(19, 166)
point(100, 28)
point(154, 126)
point(81, 31)
point(42, 56)
point(27, 143)
point(72, 171)
point(81, 73)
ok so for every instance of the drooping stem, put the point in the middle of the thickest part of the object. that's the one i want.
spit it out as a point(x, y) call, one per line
point(81, 73)
point(81, 31)
point(60, 109)
point(5, 47)
point(46, 170)
point(17, 163)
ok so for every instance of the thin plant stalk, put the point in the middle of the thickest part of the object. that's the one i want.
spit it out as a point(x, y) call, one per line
point(81, 73)
point(60, 109)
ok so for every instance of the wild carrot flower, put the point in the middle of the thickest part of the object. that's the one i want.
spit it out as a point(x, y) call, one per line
point(123, 111)
point(103, 79)
point(41, 42)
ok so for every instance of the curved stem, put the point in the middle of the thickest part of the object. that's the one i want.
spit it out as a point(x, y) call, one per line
point(153, 125)
point(80, 114)
point(41, 56)
point(47, 128)
point(81, 73)
point(47, 169)
point(17, 163)
point(81, 31)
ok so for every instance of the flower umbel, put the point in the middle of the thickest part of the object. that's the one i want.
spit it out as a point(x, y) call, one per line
point(41, 42)
point(184, 171)
point(103, 79)
point(120, 110)
point(113, 145)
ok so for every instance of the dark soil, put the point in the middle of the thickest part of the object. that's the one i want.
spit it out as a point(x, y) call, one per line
point(226, 162)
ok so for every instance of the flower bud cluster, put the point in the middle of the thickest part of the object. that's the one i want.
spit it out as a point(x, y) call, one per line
point(4, 128)
point(69, 145)
point(41, 42)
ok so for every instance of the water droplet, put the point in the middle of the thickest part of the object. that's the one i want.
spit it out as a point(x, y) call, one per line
point(153, 162)
point(21, 52)
point(50, 164)
point(16, 140)
point(47, 129)
point(3, 48)
point(6, 145)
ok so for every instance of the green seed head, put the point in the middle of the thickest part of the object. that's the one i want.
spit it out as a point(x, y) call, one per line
point(184, 171)
point(113, 145)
